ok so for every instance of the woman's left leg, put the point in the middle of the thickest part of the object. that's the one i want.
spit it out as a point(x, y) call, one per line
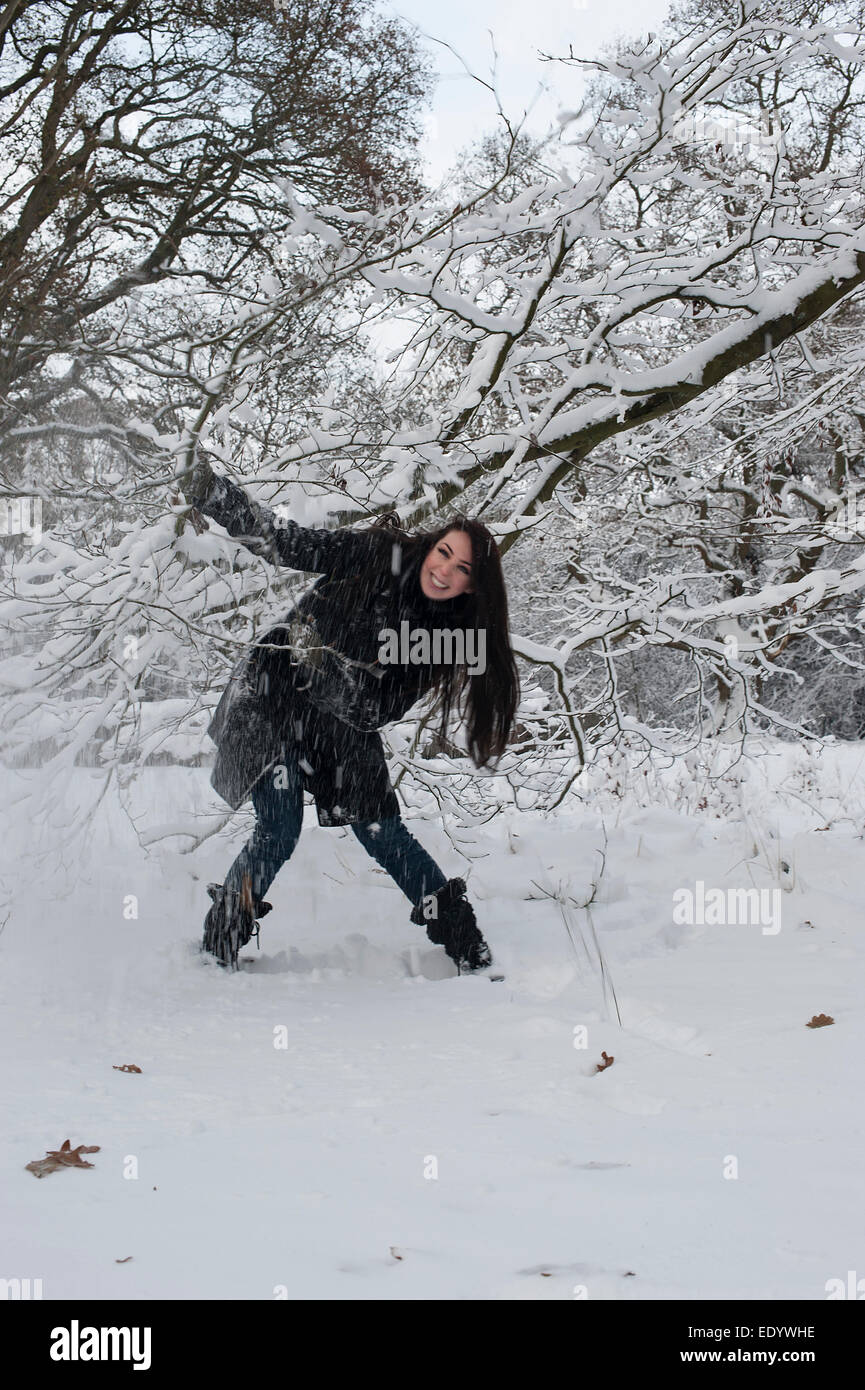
point(438, 902)
point(394, 847)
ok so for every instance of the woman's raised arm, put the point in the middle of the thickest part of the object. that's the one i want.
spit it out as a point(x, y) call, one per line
point(280, 541)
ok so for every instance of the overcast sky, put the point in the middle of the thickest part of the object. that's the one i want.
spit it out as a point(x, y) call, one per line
point(462, 108)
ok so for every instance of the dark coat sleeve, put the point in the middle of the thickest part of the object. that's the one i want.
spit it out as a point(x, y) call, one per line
point(283, 542)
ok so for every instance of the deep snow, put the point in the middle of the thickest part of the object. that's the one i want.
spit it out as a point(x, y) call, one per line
point(425, 1136)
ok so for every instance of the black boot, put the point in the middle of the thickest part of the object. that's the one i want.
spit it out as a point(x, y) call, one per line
point(231, 922)
point(450, 922)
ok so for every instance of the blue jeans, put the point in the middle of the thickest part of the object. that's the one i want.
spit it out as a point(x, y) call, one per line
point(279, 811)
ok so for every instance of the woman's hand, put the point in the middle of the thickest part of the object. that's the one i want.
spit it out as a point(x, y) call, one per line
point(196, 482)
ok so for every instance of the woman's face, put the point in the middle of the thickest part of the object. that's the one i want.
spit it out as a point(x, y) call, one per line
point(447, 569)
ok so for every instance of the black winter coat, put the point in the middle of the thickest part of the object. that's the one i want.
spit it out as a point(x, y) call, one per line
point(319, 692)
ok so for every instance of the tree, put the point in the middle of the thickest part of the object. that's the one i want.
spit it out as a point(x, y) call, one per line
point(146, 147)
point(615, 332)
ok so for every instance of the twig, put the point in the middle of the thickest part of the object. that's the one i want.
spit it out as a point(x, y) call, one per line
point(564, 900)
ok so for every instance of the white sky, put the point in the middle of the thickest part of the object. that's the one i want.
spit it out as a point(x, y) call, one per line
point(462, 108)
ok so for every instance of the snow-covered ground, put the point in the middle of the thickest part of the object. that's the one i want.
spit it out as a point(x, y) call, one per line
point(343, 1119)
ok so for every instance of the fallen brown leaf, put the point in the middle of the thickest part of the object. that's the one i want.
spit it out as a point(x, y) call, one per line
point(123, 1261)
point(64, 1157)
point(129, 1066)
point(607, 1062)
point(819, 1021)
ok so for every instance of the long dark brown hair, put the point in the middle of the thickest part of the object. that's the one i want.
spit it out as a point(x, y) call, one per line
point(487, 701)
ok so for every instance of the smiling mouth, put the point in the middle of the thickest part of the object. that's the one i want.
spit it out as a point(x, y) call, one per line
point(436, 583)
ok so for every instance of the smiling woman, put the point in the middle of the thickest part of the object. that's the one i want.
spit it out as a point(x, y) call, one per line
point(447, 569)
point(304, 705)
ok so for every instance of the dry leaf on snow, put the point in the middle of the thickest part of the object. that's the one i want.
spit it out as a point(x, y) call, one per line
point(607, 1062)
point(819, 1021)
point(129, 1066)
point(64, 1157)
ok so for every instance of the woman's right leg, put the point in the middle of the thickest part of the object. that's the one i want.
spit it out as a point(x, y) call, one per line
point(278, 800)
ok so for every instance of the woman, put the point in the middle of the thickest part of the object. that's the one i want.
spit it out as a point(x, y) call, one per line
point(394, 617)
